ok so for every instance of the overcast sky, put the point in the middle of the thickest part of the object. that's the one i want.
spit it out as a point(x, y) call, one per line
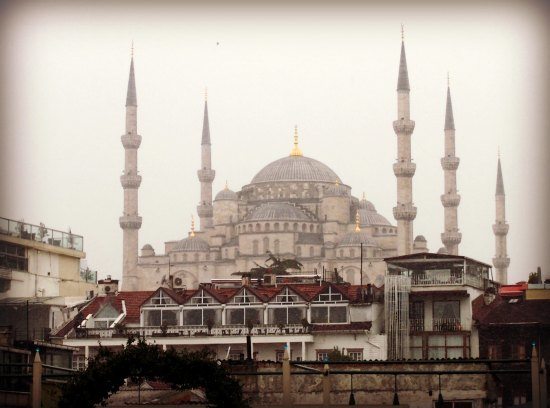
point(331, 70)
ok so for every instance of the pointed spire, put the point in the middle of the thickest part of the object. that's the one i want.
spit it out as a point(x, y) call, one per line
point(131, 98)
point(500, 183)
point(205, 124)
point(403, 80)
point(357, 227)
point(296, 150)
point(449, 118)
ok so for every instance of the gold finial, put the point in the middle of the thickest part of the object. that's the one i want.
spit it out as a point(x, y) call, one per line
point(296, 150)
point(192, 233)
point(402, 32)
point(336, 182)
point(357, 227)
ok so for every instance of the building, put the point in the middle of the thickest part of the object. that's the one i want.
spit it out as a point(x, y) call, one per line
point(40, 278)
point(308, 318)
point(295, 207)
point(510, 323)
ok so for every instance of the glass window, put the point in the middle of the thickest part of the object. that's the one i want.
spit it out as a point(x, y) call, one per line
point(159, 317)
point(446, 309)
point(201, 317)
point(326, 314)
point(245, 297)
point(244, 315)
point(319, 314)
point(160, 298)
point(286, 296)
point(286, 315)
point(355, 355)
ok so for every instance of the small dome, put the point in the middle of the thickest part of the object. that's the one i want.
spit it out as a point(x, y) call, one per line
point(443, 251)
point(226, 194)
point(296, 168)
point(147, 247)
point(277, 211)
point(335, 190)
point(355, 239)
point(192, 244)
point(420, 238)
point(366, 205)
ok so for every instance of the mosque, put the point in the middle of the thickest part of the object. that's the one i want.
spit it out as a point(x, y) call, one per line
point(295, 207)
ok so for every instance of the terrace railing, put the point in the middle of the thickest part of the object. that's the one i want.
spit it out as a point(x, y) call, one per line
point(41, 233)
point(449, 324)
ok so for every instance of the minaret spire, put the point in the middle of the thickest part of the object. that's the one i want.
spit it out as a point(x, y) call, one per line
point(296, 150)
point(451, 236)
point(500, 229)
point(206, 174)
point(130, 221)
point(404, 212)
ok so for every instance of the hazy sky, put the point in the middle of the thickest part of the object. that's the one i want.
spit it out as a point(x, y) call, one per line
point(332, 70)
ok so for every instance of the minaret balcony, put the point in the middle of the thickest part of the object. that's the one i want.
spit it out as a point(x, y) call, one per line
point(130, 181)
point(450, 163)
point(501, 228)
point(501, 262)
point(131, 140)
point(406, 212)
point(130, 222)
point(403, 126)
point(450, 200)
point(205, 210)
point(404, 169)
point(206, 175)
point(451, 238)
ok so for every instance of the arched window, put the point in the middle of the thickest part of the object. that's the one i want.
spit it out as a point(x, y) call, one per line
point(341, 253)
point(276, 246)
point(299, 251)
point(311, 252)
point(376, 230)
point(304, 227)
point(295, 226)
point(384, 230)
point(285, 227)
point(255, 247)
point(258, 227)
point(318, 228)
point(276, 226)
point(249, 227)
point(266, 227)
point(266, 244)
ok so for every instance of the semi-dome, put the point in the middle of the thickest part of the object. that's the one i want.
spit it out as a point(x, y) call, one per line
point(192, 244)
point(367, 205)
point(296, 168)
point(355, 238)
point(226, 194)
point(368, 215)
point(147, 247)
point(277, 211)
point(420, 238)
point(443, 251)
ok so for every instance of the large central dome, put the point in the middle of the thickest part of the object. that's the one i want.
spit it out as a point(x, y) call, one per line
point(296, 168)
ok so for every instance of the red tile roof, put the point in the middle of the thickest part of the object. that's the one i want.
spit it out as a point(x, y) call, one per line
point(501, 312)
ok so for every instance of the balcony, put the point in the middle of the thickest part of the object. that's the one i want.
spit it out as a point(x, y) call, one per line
point(194, 331)
point(450, 163)
point(416, 325)
point(40, 233)
point(404, 169)
point(405, 212)
point(130, 222)
point(449, 324)
point(500, 228)
point(403, 126)
point(130, 141)
point(450, 200)
point(130, 181)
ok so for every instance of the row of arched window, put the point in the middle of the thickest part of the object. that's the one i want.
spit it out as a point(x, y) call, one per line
point(276, 227)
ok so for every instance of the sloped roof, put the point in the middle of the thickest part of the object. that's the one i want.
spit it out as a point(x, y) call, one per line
point(501, 312)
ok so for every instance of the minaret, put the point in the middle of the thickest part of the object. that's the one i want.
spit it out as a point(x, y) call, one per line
point(450, 237)
point(404, 169)
point(130, 222)
point(206, 174)
point(500, 228)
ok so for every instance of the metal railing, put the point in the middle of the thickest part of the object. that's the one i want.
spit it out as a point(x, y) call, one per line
point(446, 277)
point(449, 324)
point(416, 325)
point(193, 331)
point(40, 233)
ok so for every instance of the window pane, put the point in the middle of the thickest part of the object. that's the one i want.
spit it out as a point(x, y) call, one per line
point(436, 341)
point(254, 315)
point(454, 340)
point(100, 324)
point(416, 341)
point(296, 314)
point(319, 314)
point(447, 310)
point(436, 352)
point(192, 317)
point(170, 317)
point(455, 352)
point(338, 314)
point(235, 316)
point(416, 353)
point(277, 316)
point(152, 318)
point(213, 316)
